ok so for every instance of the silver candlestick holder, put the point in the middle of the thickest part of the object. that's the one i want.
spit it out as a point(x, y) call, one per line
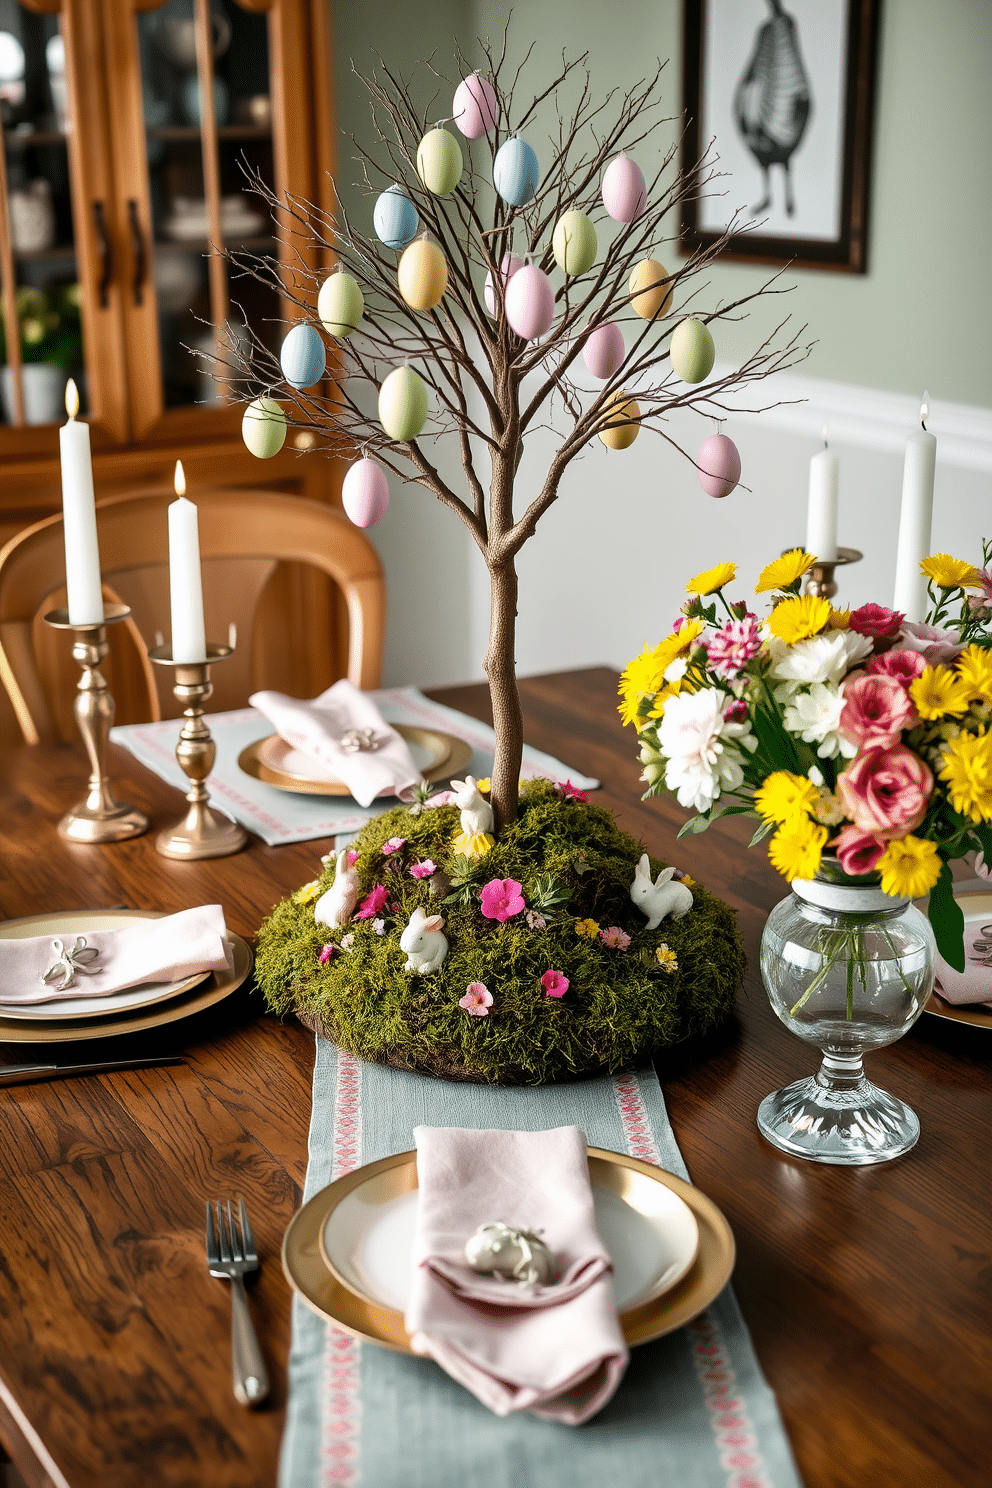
point(203, 832)
point(100, 817)
point(820, 580)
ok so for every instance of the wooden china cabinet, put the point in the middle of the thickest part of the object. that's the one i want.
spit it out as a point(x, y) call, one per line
point(127, 126)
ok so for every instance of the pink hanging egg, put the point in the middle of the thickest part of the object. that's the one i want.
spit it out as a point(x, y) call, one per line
point(365, 493)
point(604, 351)
point(507, 269)
point(625, 191)
point(475, 108)
point(530, 302)
point(719, 465)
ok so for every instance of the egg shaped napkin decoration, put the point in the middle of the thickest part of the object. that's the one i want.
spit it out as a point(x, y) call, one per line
point(395, 218)
point(365, 493)
point(507, 269)
point(604, 350)
point(439, 162)
point(475, 107)
point(718, 465)
point(574, 243)
point(263, 428)
point(422, 275)
point(625, 192)
point(622, 437)
point(652, 292)
point(340, 304)
point(692, 351)
point(403, 404)
point(302, 357)
point(516, 171)
point(530, 303)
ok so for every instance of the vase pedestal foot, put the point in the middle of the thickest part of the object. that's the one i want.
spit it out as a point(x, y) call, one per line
point(847, 1122)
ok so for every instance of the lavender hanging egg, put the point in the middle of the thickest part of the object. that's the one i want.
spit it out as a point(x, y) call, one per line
point(475, 107)
point(604, 350)
point(624, 189)
point(507, 269)
point(718, 465)
point(365, 493)
point(530, 303)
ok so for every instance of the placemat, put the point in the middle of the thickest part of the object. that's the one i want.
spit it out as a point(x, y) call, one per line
point(693, 1408)
point(279, 816)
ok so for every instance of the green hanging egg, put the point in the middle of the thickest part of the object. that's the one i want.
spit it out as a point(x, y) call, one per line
point(340, 304)
point(263, 428)
point(439, 161)
point(403, 404)
point(574, 243)
point(692, 351)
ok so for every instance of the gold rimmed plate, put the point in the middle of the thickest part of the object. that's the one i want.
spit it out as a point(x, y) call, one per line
point(436, 754)
point(657, 1304)
point(977, 908)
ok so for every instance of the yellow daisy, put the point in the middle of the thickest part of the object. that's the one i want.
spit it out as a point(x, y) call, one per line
point(784, 571)
point(951, 573)
point(796, 849)
point(784, 797)
point(937, 692)
point(839, 620)
point(588, 929)
point(667, 959)
point(909, 867)
point(712, 579)
point(641, 678)
point(797, 618)
point(967, 769)
point(974, 668)
point(485, 785)
point(308, 893)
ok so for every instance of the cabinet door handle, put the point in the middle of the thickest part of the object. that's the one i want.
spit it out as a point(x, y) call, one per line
point(106, 250)
point(138, 250)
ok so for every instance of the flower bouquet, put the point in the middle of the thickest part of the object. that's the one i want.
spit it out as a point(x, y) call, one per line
point(859, 740)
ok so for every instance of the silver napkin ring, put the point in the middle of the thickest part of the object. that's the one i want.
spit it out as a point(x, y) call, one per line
point(358, 740)
point(71, 961)
point(509, 1254)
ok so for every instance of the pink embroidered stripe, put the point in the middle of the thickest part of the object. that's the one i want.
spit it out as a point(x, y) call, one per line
point(341, 1404)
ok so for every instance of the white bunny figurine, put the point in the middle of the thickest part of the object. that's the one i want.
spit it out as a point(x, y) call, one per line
point(477, 814)
point(334, 907)
point(660, 899)
point(423, 942)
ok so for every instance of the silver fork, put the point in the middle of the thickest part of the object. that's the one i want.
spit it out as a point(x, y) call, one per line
point(233, 1256)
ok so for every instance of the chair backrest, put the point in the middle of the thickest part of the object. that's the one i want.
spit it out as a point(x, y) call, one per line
point(244, 536)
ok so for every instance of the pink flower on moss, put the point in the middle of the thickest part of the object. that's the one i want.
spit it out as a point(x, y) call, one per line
point(392, 846)
point(372, 903)
point(614, 938)
point(502, 899)
point(327, 952)
point(352, 856)
point(535, 921)
point(876, 621)
point(905, 666)
point(569, 792)
point(554, 983)
point(477, 1000)
point(424, 869)
point(857, 851)
point(732, 648)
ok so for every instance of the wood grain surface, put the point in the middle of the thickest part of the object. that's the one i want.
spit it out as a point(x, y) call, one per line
point(866, 1291)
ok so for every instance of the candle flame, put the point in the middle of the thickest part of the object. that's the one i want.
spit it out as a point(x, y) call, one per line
point(71, 399)
point(925, 408)
point(179, 480)
point(825, 431)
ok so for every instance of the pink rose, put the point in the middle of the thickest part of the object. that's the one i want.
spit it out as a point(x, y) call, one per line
point(885, 791)
point(876, 710)
point(936, 646)
point(501, 899)
point(876, 621)
point(857, 851)
point(905, 666)
point(554, 983)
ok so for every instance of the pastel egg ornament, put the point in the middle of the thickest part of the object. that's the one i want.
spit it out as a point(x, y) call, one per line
point(263, 428)
point(365, 493)
point(302, 356)
point(718, 465)
point(574, 243)
point(692, 351)
point(439, 162)
point(422, 274)
point(395, 218)
point(511, 263)
point(651, 290)
point(604, 350)
point(403, 404)
point(624, 189)
point(621, 436)
point(475, 107)
point(340, 304)
point(530, 303)
point(516, 171)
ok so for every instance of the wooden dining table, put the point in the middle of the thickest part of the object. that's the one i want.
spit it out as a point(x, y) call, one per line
point(866, 1290)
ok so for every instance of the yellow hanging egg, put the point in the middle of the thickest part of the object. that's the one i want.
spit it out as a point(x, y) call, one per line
point(403, 404)
point(620, 406)
point(439, 162)
point(652, 298)
point(423, 275)
point(340, 304)
point(263, 428)
point(574, 243)
point(692, 351)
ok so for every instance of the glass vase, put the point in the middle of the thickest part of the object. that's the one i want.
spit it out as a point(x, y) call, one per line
point(846, 968)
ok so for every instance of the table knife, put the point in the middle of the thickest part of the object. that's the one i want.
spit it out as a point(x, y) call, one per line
point(27, 1074)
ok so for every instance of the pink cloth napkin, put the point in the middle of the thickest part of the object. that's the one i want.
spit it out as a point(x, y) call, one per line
point(166, 950)
point(556, 1350)
point(315, 728)
point(974, 984)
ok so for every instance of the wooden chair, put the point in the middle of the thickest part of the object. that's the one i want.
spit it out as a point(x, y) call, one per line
point(247, 538)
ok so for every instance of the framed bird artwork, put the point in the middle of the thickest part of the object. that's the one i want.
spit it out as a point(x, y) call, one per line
point(778, 98)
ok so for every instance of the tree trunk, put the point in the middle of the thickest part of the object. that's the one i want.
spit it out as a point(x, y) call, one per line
point(501, 671)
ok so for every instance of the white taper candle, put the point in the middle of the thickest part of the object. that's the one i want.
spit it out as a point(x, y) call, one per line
point(915, 518)
point(821, 512)
point(185, 583)
point(82, 554)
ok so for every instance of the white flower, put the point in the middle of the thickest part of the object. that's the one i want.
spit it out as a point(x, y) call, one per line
point(815, 774)
point(379, 926)
point(828, 809)
point(676, 669)
point(702, 748)
point(815, 717)
point(347, 941)
point(823, 658)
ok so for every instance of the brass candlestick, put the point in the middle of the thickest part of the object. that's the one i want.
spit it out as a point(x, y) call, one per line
point(100, 818)
point(821, 576)
point(203, 832)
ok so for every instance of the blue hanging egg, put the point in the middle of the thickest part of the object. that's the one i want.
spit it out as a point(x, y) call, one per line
point(516, 171)
point(395, 218)
point(302, 357)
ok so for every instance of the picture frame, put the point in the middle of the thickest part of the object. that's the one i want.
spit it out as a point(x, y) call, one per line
point(778, 100)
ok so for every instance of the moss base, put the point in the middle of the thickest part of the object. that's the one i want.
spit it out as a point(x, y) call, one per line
point(621, 1005)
